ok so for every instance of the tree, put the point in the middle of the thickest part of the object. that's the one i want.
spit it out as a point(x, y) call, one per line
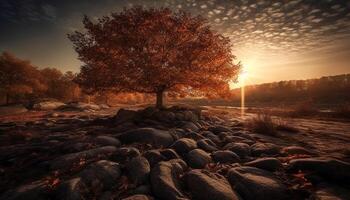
point(59, 86)
point(71, 90)
point(18, 77)
point(52, 78)
point(154, 51)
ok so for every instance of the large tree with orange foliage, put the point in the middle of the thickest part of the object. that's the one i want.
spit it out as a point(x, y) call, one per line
point(154, 51)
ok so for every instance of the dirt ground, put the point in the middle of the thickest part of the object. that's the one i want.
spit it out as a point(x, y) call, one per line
point(325, 137)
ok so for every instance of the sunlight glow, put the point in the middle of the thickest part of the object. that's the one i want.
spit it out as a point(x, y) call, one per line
point(242, 78)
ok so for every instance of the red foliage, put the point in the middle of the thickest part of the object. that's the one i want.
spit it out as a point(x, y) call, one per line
point(154, 51)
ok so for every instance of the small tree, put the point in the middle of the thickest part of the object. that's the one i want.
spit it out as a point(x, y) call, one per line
point(18, 77)
point(154, 51)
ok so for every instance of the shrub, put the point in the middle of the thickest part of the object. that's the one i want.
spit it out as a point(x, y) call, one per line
point(264, 124)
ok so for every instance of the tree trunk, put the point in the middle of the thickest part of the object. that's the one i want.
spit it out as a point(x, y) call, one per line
point(159, 103)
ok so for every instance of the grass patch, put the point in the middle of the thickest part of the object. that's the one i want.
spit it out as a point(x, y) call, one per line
point(266, 125)
point(262, 124)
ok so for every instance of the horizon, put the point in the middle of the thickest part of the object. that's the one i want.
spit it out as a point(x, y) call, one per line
point(237, 86)
point(305, 39)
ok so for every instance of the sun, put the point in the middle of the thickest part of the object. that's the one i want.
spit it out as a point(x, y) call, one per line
point(242, 77)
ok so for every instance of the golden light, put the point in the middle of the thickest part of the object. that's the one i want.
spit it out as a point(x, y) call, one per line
point(242, 77)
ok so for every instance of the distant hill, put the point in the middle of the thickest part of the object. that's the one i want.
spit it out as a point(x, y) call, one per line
point(324, 90)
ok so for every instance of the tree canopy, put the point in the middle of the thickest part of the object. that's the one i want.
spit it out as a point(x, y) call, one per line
point(154, 51)
point(20, 80)
point(17, 76)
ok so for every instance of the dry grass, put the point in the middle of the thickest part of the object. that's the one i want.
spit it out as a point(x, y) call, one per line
point(264, 124)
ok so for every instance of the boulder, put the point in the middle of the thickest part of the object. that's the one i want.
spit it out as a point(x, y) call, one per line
point(142, 189)
point(184, 145)
point(256, 184)
point(329, 168)
point(190, 116)
point(148, 112)
point(138, 197)
point(207, 145)
point(190, 126)
point(205, 185)
point(225, 156)
point(198, 158)
point(241, 149)
point(102, 174)
point(165, 180)
point(48, 105)
point(330, 192)
point(124, 115)
point(164, 116)
point(87, 106)
point(107, 141)
point(126, 153)
point(53, 115)
point(193, 135)
point(269, 164)
point(154, 157)
point(72, 189)
point(80, 106)
point(169, 154)
point(67, 161)
point(155, 137)
point(138, 170)
point(186, 114)
point(219, 128)
point(295, 150)
point(178, 132)
point(260, 149)
point(238, 139)
point(216, 139)
point(33, 191)
point(244, 134)
point(106, 195)
point(104, 106)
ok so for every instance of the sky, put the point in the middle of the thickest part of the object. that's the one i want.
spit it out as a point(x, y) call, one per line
point(274, 40)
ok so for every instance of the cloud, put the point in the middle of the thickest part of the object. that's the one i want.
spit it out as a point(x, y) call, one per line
point(293, 26)
point(24, 11)
point(272, 26)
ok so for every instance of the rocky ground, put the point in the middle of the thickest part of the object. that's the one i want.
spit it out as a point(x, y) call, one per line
point(178, 153)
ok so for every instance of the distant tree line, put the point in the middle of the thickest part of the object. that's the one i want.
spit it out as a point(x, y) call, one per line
point(325, 90)
point(21, 82)
point(329, 90)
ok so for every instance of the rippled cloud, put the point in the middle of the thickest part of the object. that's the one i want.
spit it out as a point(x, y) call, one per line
point(274, 26)
point(25, 11)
